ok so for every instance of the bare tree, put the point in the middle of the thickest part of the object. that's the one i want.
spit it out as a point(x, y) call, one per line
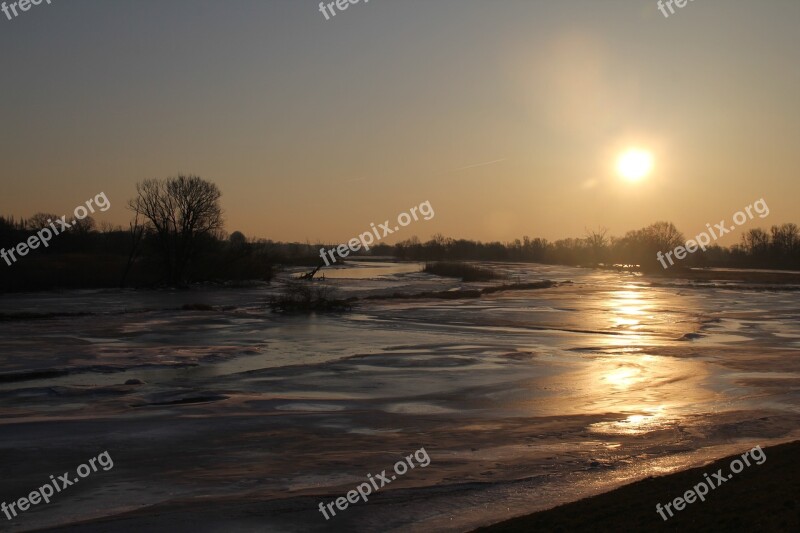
point(84, 226)
point(664, 235)
point(179, 212)
point(785, 239)
point(40, 220)
point(136, 232)
point(642, 245)
point(597, 242)
point(597, 238)
point(108, 227)
point(755, 241)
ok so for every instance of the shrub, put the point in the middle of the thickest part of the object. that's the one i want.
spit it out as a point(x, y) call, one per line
point(305, 297)
point(460, 270)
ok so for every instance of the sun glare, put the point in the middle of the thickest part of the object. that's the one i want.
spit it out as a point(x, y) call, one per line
point(634, 164)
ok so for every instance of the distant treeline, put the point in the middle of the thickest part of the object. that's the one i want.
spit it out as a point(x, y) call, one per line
point(176, 238)
point(101, 258)
point(778, 248)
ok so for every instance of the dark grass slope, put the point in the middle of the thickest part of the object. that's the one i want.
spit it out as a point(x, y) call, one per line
point(762, 497)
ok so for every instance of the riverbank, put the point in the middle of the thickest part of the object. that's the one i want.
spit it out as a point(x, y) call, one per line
point(762, 497)
point(773, 277)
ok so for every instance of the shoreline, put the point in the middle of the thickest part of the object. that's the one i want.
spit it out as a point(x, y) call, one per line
point(762, 497)
point(768, 279)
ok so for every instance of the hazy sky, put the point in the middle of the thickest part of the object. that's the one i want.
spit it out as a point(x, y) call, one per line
point(313, 129)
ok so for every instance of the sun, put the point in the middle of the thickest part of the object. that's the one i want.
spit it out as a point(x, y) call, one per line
point(635, 164)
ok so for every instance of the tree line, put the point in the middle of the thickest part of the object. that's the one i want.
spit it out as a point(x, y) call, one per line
point(778, 248)
point(176, 237)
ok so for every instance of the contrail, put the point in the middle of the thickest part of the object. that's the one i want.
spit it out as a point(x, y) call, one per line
point(477, 165)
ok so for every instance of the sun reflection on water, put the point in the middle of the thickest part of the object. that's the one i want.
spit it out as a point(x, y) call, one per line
point(647, 392)
point(623, 377)
point(628, 308)
point(655, 419)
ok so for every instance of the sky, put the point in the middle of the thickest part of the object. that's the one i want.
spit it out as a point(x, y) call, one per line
point(506, 115)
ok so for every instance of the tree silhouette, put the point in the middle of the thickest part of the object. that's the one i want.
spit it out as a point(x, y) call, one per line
point(179, 212)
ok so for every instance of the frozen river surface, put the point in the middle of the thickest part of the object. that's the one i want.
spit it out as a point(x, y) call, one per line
point(246, 421)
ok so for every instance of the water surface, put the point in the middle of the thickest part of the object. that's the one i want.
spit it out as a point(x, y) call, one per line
point(522, 399)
